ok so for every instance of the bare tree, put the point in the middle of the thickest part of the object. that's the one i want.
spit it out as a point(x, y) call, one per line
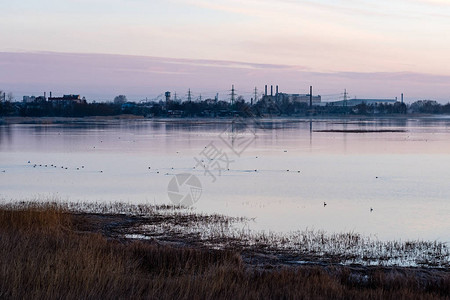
point(240, 99)
point(121, 99)
point(10, 97)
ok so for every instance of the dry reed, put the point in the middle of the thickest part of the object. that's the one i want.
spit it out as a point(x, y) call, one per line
point(48, 252)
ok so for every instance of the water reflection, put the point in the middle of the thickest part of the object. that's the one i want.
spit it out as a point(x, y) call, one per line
point(5, 134)
point(402, 175)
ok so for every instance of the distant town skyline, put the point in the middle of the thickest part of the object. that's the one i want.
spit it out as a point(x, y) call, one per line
point(141, 48)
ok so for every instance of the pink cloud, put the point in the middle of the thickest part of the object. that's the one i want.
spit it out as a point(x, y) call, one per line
point(101, 77)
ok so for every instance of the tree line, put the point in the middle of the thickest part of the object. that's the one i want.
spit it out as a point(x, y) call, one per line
point(207, 108)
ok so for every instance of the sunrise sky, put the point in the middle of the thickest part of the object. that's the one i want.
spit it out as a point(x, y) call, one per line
point(141, 48)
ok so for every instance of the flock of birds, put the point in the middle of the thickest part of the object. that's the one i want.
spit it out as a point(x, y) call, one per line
point(55, 166)
point(101, 171)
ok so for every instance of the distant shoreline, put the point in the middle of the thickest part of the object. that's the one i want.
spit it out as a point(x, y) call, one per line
point(61, 120)
point(56, 120)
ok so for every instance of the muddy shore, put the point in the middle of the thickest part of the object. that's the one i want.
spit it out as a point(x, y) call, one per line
point(58, 250)
point(126, 229)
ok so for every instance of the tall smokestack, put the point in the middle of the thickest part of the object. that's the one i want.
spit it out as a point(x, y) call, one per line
point(50, 94)
point(45, 96)
point(402, 98)
point(266, 91)
point(271, 90)
point(277, 91)
point(310, 96)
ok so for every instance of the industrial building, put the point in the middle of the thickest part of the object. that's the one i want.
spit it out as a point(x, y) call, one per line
point(67, 99)
point(355, 102)
point(291, 98)
point(34, 99)
point(301, 98)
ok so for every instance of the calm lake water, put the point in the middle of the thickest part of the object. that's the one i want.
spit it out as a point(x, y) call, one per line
point(279, 172)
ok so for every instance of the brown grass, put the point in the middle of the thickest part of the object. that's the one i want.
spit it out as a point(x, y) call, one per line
point(47, 252)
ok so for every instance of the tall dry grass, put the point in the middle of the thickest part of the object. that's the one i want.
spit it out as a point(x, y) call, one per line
point(45, 252)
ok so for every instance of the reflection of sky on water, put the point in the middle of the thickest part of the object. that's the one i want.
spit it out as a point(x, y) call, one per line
point(409, 197)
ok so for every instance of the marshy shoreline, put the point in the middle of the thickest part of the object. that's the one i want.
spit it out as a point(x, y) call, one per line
point(126, 228)
point(123, 250)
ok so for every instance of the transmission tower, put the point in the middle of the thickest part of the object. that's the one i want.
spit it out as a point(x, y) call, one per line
point(233, 94)
point(189, 96)
point(345, 97)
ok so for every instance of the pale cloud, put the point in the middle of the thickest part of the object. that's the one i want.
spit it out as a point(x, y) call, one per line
point(442, 3)
point(229, 6)
point(301, 8)
point(100, 77)
point(320, 36)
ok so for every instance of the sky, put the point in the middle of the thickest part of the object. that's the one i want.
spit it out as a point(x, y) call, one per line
point(141, 48)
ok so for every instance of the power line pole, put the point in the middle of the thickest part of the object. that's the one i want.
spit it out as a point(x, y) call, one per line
point(233, 95)
point(189, 96)
point(345, 97)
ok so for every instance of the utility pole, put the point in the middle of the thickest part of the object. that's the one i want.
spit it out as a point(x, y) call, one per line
point(233, 95)
point(345, 97)
point(189, 96)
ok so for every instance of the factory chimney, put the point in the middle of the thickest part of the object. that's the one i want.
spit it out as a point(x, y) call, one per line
point(310, 96)
point(402, 98)
point(277, 91)
point(266, 91)
point(271, 90)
